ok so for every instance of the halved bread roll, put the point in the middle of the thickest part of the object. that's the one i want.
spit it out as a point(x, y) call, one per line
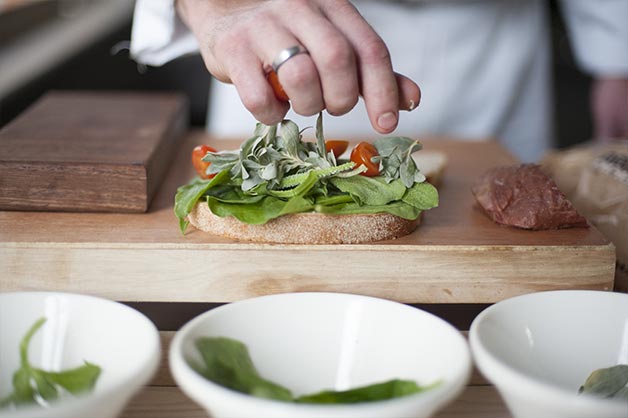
point(306, 228)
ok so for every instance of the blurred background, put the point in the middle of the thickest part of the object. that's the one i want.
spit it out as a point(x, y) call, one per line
point(82, 45)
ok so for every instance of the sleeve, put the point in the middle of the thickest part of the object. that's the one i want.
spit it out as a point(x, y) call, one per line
point(158, 34)
point(599, 34)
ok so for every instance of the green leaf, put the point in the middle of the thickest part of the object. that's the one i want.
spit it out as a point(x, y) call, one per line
point(377, 392)
point(370, 190)
point(78, 380)
point(23, 392)
point(607, 382)
point(261, 211)
point(45, 388)
point(26, 340)
point(187, 196)
point(422, 196)
point(401, 209)
point(320, 137)
point(227, 362)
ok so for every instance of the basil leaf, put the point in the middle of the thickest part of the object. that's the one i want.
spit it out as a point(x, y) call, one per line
point(370, 190)
point(377, 392)
point(227, 362)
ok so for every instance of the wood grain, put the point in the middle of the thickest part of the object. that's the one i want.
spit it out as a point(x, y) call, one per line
point(457, 255)
point(88, 151)
point(170, 402)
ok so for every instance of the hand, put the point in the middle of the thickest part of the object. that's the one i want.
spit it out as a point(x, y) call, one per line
point(609, 103)
point(239, 39)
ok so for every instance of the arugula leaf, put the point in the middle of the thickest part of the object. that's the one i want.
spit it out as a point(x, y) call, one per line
point(46, 384)
point(228, 363)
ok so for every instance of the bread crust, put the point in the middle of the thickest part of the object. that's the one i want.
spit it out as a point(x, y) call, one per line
point(306, 228)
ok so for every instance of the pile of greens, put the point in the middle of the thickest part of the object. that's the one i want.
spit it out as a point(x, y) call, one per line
point(276, 173)
point(227, 362)
point(32, 385)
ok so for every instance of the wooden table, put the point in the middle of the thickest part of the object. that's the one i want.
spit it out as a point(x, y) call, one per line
point(456, 256)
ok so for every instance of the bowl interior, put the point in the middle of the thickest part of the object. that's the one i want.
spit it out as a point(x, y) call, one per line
point(120, 340)
point(310, 341)
point(558, 337)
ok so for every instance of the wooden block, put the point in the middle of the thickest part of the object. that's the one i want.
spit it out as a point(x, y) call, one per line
point(90, 151)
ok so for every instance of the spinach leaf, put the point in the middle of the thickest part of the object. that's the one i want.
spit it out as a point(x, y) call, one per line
point(395, 388)
point(370, 190)
point(422, 196)
point(30, 383)
point(228, 363)
point(259, 212)
point(401, 209)
point(188, 195)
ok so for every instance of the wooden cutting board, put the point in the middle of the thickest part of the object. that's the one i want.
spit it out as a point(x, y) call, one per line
point(89, 151)
point(457, 255)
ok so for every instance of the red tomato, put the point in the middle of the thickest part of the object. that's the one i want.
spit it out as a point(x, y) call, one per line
point(199, 165)
point(336, 146)
point(280, 93)
point(362, 154)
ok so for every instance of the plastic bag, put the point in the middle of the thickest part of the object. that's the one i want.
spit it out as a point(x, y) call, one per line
point(594, 176)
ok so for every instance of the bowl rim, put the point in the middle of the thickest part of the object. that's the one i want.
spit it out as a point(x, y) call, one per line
point(147, 368)
point(437, 396)
point(500, 372)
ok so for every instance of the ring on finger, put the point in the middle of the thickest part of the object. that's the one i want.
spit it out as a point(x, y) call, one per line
point(285, 54)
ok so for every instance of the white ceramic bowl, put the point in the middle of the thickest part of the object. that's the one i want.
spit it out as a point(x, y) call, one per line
point(538, 349)
point(119, 339)
point(309, 342)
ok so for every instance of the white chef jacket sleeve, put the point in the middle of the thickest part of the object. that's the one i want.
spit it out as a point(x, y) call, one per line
point(158, 34)
point(599, 34)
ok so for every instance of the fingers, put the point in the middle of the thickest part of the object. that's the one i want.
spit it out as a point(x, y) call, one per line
point(256, 94)
point(331, 54)
point(409, 93)
point(298, 75)
point(378, 82)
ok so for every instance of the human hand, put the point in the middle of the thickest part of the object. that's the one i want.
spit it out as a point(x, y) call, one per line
point(609, 104)
point(239, 39)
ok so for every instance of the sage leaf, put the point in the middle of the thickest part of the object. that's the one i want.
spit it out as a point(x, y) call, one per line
point(607, 382)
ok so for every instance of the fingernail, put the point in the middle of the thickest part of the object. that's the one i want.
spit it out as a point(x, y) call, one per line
point(411, 106)
point(387, 121)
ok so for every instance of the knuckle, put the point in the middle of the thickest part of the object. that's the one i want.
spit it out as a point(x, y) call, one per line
point(374, 51)
point(256, 103)
point(341, 105)
point(299, 75)
point(338, 56)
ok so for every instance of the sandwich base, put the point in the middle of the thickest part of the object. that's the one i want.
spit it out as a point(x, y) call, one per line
point(306, 228)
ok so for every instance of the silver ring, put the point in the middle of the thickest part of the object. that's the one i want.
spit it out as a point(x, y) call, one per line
point(286, 54)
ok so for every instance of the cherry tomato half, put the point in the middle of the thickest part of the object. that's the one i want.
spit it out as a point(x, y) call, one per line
point(362, 154)
point(336, 146)
point(199, 165)
point(280, 93)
